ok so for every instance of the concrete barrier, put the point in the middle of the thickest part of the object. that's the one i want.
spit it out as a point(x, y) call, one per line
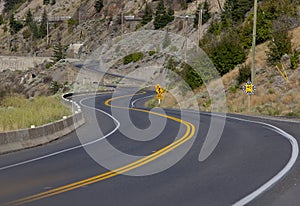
point(14, 63)
point(21, 139)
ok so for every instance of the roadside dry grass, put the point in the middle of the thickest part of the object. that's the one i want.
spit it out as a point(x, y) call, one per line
point(16, 112)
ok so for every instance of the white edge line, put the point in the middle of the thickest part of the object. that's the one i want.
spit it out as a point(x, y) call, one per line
point(295, 151)
point(279, 175)
point(133, 103)
point(72, 148)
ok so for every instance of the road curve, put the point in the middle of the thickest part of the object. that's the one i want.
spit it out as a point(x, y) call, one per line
point(63, 172)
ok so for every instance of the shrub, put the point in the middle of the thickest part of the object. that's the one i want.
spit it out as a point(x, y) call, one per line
point(295, 60)
point(133, 58)
point(280, 45)
point(54, 87)
point(215, 28)
point(271, 91)
point(27, 33)
point(292, 114)
point(234, 89)
point(151, 53)
point(191, 77)
point(49, 65)
point(71, 24)
point(244, 74)
point(137, 56)
point(127, 59)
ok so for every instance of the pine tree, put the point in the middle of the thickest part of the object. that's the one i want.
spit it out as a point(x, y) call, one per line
point(59, 52)
point(53, 2)
point(29, 18)
point(162, 17)
point(35, 30)
point(170, 15)
point(234, 11)
point(43, 26)
point(98, 5)
point(206, 14)
point(15, 26)
point(147, 15)
point(159, 21)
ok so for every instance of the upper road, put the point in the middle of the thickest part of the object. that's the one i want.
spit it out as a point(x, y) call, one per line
point(63, 172)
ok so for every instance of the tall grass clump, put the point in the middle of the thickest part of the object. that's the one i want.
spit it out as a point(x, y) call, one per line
point(17, 112)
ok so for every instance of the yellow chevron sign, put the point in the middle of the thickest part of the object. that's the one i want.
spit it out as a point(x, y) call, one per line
point(159, 90)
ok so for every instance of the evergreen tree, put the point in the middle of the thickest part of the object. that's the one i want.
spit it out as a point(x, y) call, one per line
point(170, 15)
point(206, 14)
point(15, 26)
point(159, 15)
point(280, 45)
point(59, 52)
point(35, 30)
point(162, 17)
point(53, 2)
point(147, 15)
point(234, 11)
point(43, 26)
point(98, 5)
point(32, 25)
point(29, 18)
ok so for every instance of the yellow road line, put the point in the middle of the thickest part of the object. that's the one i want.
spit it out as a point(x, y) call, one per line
point(190, 131)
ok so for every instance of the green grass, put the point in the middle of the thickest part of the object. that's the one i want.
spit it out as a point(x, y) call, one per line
point(16, 112)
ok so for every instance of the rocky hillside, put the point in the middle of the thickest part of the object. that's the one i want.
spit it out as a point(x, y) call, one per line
point(83, 24)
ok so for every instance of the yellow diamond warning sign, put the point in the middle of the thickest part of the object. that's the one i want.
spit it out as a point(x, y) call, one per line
point(249, 88)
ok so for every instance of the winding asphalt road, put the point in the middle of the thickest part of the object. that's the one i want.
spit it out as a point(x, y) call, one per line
point(63, 172)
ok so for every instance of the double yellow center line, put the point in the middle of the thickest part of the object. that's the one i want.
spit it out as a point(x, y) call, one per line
point(190, 131)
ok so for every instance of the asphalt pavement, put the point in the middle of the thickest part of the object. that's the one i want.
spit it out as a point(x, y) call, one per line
point(162, 170)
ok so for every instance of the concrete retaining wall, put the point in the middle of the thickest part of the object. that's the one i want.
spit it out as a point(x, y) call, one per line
point(24, 63)
point(26, 138)
point(20, 63)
